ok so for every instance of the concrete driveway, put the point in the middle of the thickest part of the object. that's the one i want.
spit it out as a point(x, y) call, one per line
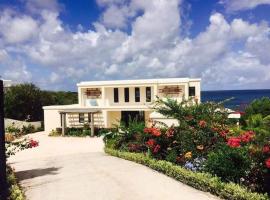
point(78, 169)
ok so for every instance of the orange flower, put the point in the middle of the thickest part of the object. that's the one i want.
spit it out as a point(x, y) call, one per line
point(188, 155)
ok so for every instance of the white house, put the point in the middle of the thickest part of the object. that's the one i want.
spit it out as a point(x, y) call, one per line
point(103, 104)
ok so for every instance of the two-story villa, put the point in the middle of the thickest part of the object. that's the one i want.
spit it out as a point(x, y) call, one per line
point(105, 103)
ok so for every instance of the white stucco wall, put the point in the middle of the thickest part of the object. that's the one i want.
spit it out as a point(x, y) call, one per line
point(51, 120)
point(20, 124)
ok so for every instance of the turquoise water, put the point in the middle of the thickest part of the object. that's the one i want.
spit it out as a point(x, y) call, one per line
point(241, 97)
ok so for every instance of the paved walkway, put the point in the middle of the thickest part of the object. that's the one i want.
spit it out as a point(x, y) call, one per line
point(77, 169)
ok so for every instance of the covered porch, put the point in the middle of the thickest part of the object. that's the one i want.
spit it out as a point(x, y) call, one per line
point(91, 112)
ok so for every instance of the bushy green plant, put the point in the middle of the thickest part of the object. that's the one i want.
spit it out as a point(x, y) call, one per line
point(13, 130)
point(28, 129)
point(230, 164)
point(14, 190)
point(258, 106)
point(202, 181)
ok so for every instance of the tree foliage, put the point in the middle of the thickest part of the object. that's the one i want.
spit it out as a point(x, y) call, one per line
point(25, 101)
point(258, 106)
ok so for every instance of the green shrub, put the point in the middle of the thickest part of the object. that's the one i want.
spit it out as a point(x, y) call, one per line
point(28, 129)
point(15, 191)
point(12, 129)
point(230, 164)
point(258, 106)
point(202, 181)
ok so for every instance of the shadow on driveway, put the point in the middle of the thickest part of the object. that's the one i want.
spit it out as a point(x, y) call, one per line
point(33, 173)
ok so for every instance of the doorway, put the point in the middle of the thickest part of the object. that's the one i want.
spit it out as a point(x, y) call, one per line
point(126, 116)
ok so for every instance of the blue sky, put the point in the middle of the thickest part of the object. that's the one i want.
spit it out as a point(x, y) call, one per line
point(56, 44)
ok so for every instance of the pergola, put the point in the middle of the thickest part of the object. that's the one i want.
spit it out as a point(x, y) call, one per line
point(66, 111)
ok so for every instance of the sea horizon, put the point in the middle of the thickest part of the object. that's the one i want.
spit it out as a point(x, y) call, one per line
point(241, 98)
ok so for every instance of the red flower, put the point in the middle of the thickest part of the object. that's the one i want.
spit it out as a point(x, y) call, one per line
point(266, 149)
point(223, 133)
point(202, 123)
point(33, 143)
point(247, 136)
point(152, 131)
point(267, 163)
point(151, 143)
point(147, 130)
point(234, 142)
point(170, 132)
point(156, 149)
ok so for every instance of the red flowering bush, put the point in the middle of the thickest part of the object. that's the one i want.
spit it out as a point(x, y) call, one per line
point(33, 143)
point(153, 131)
point(234, 142)
point(151, 143)
point(244, 138)
point(12, 147)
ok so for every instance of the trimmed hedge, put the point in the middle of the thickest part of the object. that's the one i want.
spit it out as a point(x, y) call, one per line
point(15, 191)
point(201, 181)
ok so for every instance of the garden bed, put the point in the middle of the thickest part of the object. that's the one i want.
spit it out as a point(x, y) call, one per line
point(14, 189)
point(201, 181)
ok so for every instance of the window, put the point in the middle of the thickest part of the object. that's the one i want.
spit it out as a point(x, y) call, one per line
point(148, 94)
point(137, 94)
point(81, 117)
point(116, 95)
point(191, 91)
point(126, 94)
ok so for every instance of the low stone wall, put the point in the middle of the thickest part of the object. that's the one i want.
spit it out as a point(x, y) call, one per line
point(20, 124)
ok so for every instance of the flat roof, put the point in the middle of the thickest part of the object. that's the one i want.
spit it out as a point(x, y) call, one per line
point(78, 108)
point(138, 81)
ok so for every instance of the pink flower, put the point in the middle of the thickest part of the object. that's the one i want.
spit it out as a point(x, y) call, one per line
point(202, 123)
point(170, 132)
point(156, 149)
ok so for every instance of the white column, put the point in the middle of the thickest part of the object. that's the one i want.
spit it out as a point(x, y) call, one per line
point(186, 91)
point(92, 125)
point(155, 92)
point(63, 119)
point(103, 96)
point(80, 96)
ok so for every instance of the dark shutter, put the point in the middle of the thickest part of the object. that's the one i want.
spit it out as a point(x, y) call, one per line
point(116, 95)
point(126, 94)
point(137, 94)
point(191, 91)
point(148, 94)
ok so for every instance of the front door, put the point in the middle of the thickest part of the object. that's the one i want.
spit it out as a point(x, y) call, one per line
point(132, 115)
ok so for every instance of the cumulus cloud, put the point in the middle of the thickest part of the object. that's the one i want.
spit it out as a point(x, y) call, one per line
point(237, 5)
point(16, 29)
point(226, 55)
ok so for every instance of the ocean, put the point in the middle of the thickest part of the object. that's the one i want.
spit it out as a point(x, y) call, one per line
point(241, 97)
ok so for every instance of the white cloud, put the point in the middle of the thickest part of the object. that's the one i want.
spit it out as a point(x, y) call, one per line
point(17, 29)
point(115, 17)
point(237, 5)
point(36, 5)
point(226, 55)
